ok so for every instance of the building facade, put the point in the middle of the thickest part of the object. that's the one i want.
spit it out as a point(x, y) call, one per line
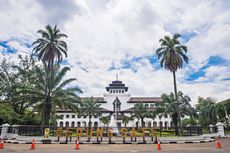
point(116, 103)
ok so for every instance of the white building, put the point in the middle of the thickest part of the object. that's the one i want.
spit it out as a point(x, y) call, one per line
point(116, 101)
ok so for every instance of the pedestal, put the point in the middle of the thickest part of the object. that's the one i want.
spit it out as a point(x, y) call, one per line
point(220, 128)
point(4, 133)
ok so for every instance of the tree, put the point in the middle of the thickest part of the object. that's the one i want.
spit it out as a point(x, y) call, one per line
point(7, 114)
point(152, 115)
point(125, 120)
point(222, 110)
point(49, 48)
point(90, 108)
point(59, 93)
point(168, 106)
point(105, 120)
point(15, 78)
point(206, 110)
point(140, 112)
point(172, 55)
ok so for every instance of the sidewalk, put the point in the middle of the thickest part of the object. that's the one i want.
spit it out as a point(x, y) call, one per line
point(114, 140)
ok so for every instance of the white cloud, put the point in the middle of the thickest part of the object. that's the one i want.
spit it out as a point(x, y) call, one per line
point(105, 33)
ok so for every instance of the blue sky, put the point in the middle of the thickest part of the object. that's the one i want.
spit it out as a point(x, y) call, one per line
point(109, 37)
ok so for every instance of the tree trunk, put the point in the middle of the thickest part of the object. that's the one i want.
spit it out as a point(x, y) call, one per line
point(47, 107)
point(175, 122)
point(89, 127)
point(178, 121)
point(175, 86)
point(46, 115)
point(142, 122)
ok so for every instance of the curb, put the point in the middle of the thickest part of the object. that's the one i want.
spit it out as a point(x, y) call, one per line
point(119, 142)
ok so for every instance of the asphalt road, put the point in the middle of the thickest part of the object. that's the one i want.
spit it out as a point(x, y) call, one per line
point(122, 148)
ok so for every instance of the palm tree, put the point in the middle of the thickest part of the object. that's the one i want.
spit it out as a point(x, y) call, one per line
point(168, 107)
point(105, 120)
point(140, 112)
point(50, 47)
point(90, 108)
point(172, 55)
point(125, 120)
point(152, 115)
point(58, 94)
point(222, 111)
point(206, 110)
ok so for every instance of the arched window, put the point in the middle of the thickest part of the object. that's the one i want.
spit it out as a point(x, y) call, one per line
point(78, 124)
point(166, 125)
point(154, 124)
point(160, 124)
point(61, 124)
point(95, 124)
point(66, 124)
point(149, 124)
point(143, 124)
point(73, 124)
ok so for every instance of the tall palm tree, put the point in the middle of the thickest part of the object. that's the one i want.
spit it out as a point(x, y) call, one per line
point(90, 108)
point(50, 47)
point(140, 112)
point(59, 93)
point(172, 55)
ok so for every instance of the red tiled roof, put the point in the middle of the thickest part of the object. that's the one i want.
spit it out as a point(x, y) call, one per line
point(144, 99)
point(97, 99)
point(131, 109)
point(105, 110)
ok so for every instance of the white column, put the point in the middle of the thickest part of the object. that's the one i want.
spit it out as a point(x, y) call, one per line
point(4, 133)
point(220, 127)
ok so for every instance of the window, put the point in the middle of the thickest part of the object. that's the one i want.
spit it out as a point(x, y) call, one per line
point(146, 105)
point(78, 124)
point(73, 116)
point(61, 124)
point(152, 105)
point(84, 116)
point(95, 116)
point(123, 91)
point(117, 105)
point(110, 91)
point(66, 124)
point(73, 124)
point(67, 116)
point(62, 116)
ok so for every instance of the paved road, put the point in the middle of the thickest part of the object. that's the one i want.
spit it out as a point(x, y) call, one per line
point(115, 148)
